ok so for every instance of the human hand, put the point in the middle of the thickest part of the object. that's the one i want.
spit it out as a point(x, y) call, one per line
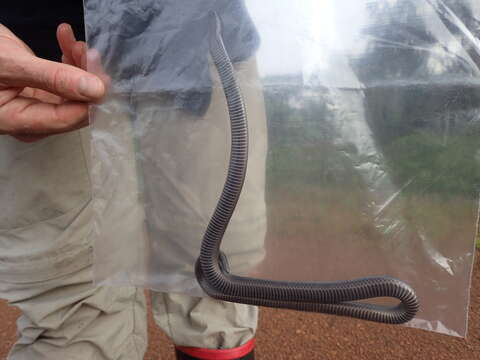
point(39, 98)
point(76, 53)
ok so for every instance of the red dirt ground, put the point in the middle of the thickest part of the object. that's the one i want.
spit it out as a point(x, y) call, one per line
point(293, 335)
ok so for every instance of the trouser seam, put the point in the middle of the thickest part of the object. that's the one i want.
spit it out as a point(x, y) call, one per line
point(86, 158)
point(134, 334)
point(170, 327)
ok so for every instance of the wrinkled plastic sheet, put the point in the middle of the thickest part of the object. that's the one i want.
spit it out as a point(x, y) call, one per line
point(364, 143)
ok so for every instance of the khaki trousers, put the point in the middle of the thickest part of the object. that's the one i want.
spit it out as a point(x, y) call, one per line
point(46, 261)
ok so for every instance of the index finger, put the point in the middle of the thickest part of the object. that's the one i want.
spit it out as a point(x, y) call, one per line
point(60, 79)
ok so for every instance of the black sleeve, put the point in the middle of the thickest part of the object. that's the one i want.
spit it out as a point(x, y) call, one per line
point(35, 22)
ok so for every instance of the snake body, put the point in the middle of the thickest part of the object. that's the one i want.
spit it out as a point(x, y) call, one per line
point(339, 298)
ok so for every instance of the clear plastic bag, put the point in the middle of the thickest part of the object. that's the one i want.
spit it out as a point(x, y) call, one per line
point(364, 143)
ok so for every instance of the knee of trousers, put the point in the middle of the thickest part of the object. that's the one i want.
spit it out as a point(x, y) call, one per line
point(70, 318)
point(45, 222)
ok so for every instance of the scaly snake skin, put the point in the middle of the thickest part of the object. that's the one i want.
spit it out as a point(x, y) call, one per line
point(339, 298)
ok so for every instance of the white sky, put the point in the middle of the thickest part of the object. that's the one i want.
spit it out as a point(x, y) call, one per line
point(299, 36)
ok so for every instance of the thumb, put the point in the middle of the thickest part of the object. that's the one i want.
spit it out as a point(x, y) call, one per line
point(60, 79)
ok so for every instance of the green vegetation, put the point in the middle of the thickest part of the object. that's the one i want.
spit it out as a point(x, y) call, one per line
point(416, 122)
point(323, 179)
point(437, 155)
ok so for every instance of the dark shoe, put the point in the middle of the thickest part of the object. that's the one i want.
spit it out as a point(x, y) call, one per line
point(244, 352)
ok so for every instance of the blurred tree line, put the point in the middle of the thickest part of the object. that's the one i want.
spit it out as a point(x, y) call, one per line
point(302, 138)
point(421, 102)
point(422, 99)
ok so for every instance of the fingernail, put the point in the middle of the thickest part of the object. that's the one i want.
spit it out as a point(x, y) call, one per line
point(66, 26)
point(91, 87)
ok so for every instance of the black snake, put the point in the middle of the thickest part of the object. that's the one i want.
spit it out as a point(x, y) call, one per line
point(339, 298)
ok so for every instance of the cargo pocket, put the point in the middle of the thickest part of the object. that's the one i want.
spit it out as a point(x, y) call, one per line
point(45, 196)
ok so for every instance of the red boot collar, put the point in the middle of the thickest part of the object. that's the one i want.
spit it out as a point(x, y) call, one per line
point(218, 354)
